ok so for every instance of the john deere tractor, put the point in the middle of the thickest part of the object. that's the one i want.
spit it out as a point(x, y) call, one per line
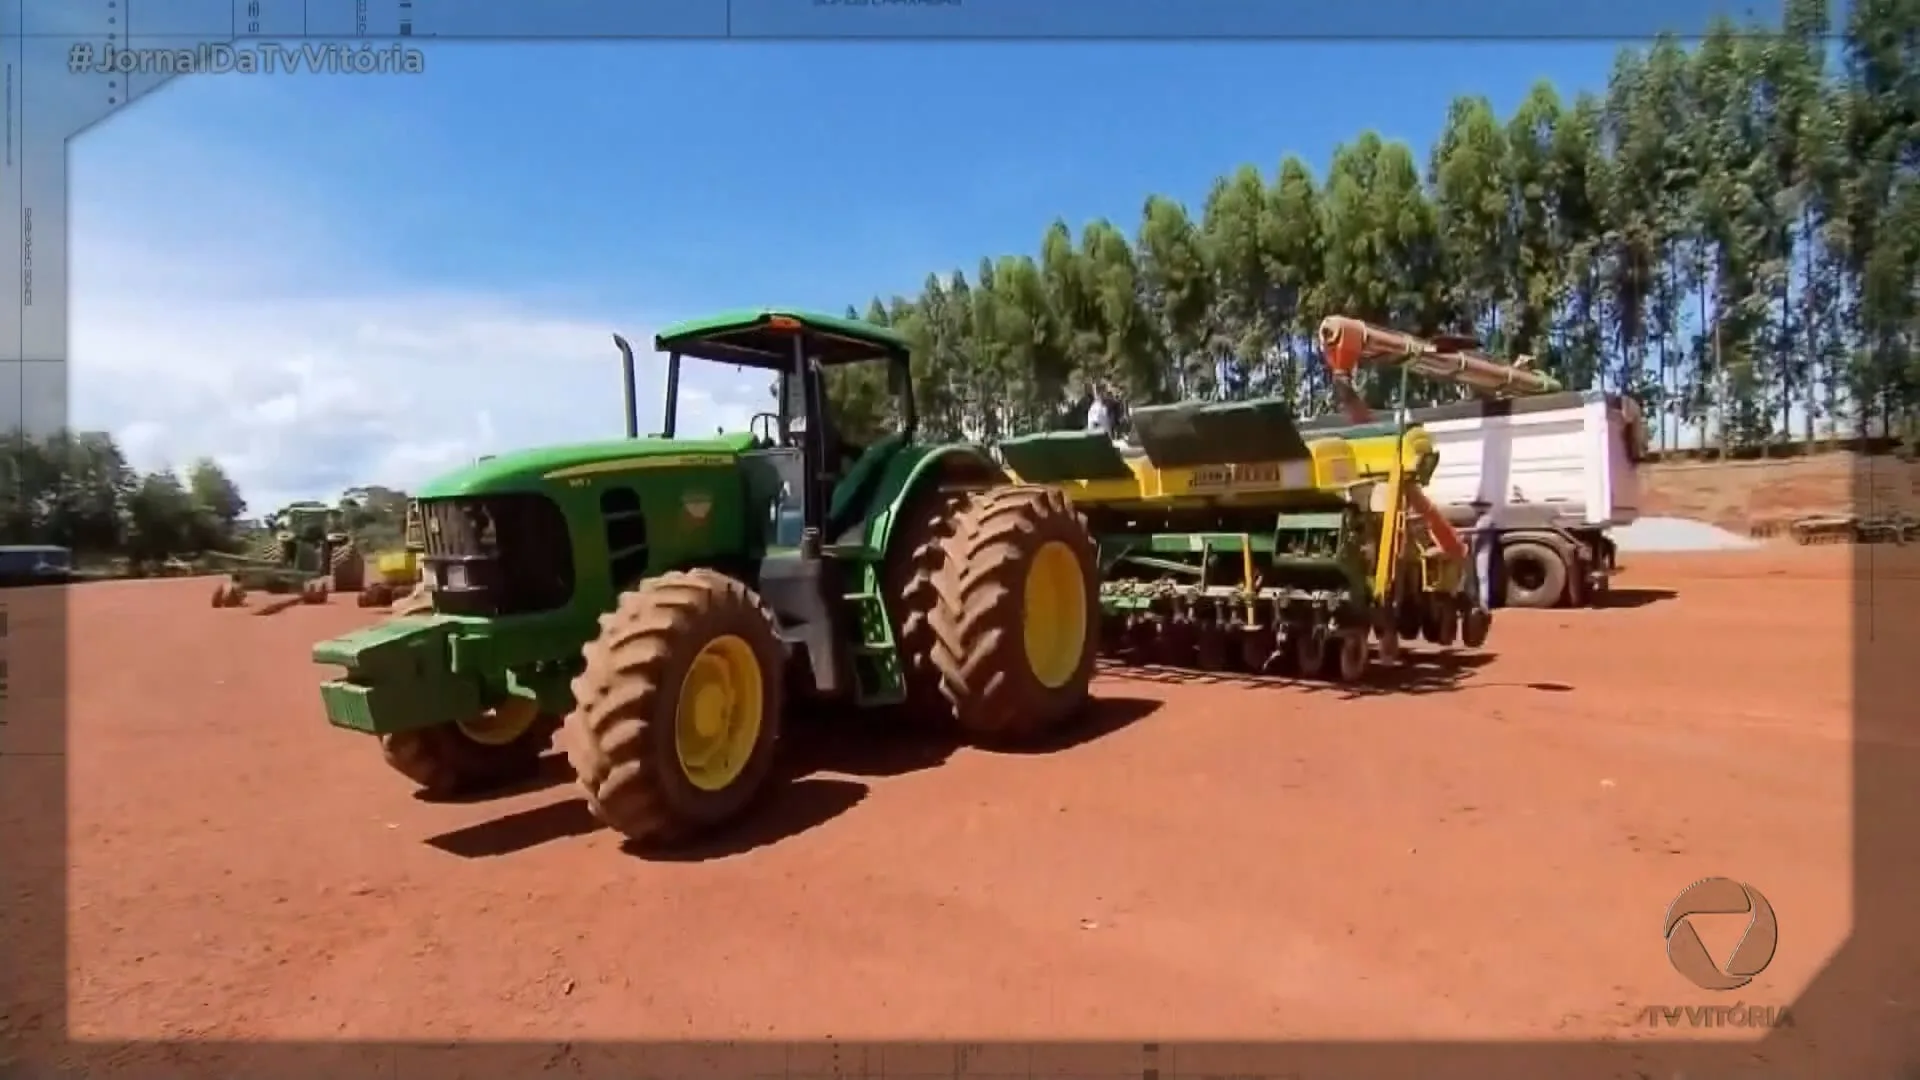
point(659, 601)
point(304, 549)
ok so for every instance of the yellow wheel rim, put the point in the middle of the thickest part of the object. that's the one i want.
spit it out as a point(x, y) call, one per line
point(501, 724)
point(1055, 614)
point(717, 720)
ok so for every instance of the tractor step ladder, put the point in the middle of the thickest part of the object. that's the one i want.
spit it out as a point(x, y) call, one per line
point(877, 678)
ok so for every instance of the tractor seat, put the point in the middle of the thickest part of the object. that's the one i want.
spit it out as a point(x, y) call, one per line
point(851, 492)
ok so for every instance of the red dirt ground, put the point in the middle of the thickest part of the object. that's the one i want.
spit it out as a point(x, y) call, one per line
point(1487, 852)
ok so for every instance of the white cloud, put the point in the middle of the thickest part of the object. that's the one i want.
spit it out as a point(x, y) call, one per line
point(213, 350)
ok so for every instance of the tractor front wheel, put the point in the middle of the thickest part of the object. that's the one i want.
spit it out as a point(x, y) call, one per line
point(677, 712)
point(1015, 631)
point(499, 747)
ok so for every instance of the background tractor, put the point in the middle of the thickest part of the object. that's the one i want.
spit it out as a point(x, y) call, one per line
point(304, 549)
point(660, 600)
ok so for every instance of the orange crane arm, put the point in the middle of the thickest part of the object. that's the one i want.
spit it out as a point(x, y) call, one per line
point(1349, 343)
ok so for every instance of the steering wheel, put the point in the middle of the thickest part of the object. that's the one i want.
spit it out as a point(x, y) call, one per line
point(772, 437)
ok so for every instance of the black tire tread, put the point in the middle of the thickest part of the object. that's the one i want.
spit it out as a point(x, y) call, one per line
point(913, 596)
point(444, 762)
point(619, 736)
point(979, 647)
point(1551, 590)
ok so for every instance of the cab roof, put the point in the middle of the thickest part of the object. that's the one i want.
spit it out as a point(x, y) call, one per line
point(762, 338)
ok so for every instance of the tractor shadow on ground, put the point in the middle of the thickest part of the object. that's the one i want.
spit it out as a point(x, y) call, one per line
point(791, 806)
point(518, 831)
point(877, 747)
point(1617, 597)
point(797, 799)
point(1420, 671)
point(553, 772)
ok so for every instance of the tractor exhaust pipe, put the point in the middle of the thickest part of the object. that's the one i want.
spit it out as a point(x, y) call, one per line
point(626, 378)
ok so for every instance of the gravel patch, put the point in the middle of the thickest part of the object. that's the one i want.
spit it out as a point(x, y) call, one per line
point(1657, 534)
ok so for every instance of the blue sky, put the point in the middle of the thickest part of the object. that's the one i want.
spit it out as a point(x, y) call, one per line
point(335, 279)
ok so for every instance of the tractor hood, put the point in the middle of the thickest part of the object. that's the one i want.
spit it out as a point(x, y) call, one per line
point(525, 470)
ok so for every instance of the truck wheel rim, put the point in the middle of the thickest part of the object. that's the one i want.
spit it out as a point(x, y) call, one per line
point(501, 724)
point(1055, 614)
point(718, 716)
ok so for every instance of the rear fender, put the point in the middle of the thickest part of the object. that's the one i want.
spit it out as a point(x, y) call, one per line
point(956, 467)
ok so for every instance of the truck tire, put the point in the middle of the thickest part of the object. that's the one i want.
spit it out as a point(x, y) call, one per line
point(347, 567)
point(673, 647)
point(1016, 630)
point(912, 595)
point(1534, 574)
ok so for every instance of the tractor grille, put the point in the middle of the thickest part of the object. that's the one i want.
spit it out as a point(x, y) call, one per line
point(499, 555)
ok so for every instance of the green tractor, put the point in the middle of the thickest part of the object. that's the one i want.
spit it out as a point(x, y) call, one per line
point(304, 549)
point(660, 601)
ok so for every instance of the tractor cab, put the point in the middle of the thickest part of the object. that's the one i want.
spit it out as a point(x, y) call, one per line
point(815, 479)
point(808, 485)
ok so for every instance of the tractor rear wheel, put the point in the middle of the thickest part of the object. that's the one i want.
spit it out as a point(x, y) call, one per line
point(676, 715)
point(499, 747)
point(912, 595)
point(348, 568)
point(1015, 632)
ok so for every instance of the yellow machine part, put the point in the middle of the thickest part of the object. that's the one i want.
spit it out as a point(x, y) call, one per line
point(1330, 467)
point(1373, 454)
point(398, 567)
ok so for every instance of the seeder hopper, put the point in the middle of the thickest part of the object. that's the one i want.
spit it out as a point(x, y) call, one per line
point(1230, 541)
point(1227, 542)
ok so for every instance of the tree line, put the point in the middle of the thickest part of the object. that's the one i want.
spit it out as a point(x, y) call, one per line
point(75, 489)
point(1730, 232)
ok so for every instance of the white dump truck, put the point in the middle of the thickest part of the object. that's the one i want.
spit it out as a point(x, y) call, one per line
point(1556, 471)
point(1550, 470)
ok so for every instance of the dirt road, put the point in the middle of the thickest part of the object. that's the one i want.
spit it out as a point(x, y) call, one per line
point(1488, 853)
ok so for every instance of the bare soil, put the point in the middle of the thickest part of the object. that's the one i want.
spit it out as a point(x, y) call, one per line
point(1482, 848)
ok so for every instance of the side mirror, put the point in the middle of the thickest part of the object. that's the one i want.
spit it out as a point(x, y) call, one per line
point(896, 379)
